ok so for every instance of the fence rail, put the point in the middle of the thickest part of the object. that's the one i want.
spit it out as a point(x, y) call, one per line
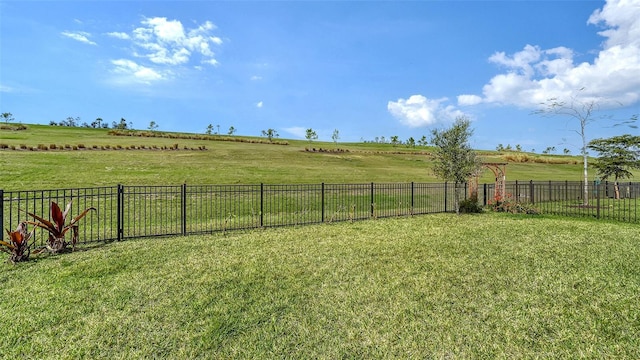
point(127, 212)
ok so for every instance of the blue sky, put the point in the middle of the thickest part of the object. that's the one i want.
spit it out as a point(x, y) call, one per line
point(367, 68)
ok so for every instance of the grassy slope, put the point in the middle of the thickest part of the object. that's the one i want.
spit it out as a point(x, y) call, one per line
point(223, 162)
point(493, 286)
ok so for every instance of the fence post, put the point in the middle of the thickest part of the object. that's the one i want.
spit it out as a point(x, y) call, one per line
point(322, 202)
point(412, 201)
point(445, 196)
point(1, 213)
point(183, 206)
point(597, 187)
point(261, 204)
point(373, 206)
point(531, 192)
point(120, 212)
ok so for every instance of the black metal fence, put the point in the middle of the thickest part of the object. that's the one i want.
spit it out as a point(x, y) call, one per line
point(126, 212)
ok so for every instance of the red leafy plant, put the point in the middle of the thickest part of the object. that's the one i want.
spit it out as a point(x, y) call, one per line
point(18, 244)
point(57, 228)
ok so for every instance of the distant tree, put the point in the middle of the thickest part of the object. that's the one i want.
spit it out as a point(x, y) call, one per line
point(454, 159)
point(508, 147)
point(70, 121)
point(566, 151)
point(500, 147)
point(335, 136)
point(231, 131)
point(84, 124)
point(53, 123)
point(270, 134)
point(423, 141)
point(97, 123)
point(122, 125)
point(618, 155)
point(533, 150)
point(218, 132)
point(394, 140)
point(518, 148)
point(411, 142)
point(153, 126)
point(310, 135)
point(209, 129)
point(383, 140)
point(7, 117)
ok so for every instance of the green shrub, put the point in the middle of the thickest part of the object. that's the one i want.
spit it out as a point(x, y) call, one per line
point(470, 206)
point(508, 204)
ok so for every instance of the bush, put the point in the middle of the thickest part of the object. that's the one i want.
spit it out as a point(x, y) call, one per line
point(470, 206)
point(512, 206)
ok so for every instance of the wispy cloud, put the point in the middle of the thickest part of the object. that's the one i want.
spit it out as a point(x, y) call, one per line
point(79, 36)
point(119, 35)
point(168, 42)
point(130, 72)
point(259, 104)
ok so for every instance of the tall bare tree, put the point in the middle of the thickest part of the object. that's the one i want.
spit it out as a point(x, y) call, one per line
point(583, 112)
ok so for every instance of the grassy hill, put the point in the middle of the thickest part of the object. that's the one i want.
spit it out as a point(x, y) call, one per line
point(45, 157)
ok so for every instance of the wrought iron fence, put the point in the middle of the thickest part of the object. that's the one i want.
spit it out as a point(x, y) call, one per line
point(601, 200)
point(126, 212)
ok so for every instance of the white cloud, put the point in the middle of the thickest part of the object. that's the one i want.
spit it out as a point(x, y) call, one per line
point(534, 75)
point(119, 35)
point(129, 72)
point(79, 36)
point(167, 42)
point(469, 100)
point(256, 78)
point(420, 111)
point(259, 105)
point(4, 88)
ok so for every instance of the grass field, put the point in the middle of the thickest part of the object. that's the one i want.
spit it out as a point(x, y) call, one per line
point(492, 286)
point(227, 162)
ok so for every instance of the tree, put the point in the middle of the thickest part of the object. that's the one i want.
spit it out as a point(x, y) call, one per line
point(500, 147)
point(394, 140)
point(423, 141)
point(270, 134)
point(583, 112)
point(7, 117)
point(411, 142)
point(518, 148)
point(310, 135)
point(566, 151)
point(218, 132)
point(153, 125)
point(122, 125)
point(209, 129)
point(335, 136)
point(232, 131)
point(97, 123)
point(618, 155)
point(454, 160)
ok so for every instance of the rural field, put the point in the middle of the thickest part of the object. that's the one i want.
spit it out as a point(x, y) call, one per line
point(489, 285)
point(228, 162)
point(434, 286)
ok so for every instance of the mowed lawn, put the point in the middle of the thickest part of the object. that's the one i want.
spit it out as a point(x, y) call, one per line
point(435, 286)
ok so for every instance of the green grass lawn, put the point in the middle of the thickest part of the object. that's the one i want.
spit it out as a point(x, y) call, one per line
point(225, 162)
point(436, 286)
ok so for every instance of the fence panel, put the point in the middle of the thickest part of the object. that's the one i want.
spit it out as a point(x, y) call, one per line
point(124, 212)
point(98, 225)
point(151, 211)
